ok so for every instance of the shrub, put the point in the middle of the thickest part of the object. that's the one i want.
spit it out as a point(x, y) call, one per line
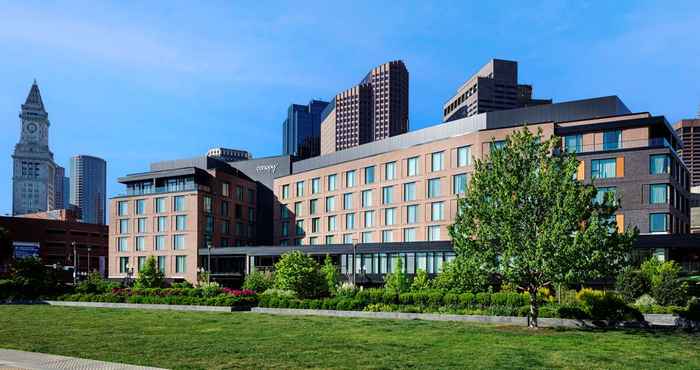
point(421, 281)
point(150, 275)
point(462, 275)
point(451, 300)
point(210, 289)
point(95, 283)
point(181, 285)
point(7, 289)
point(330, 273)
point(376, 295)
point(667, 288)
point(379, 307)
point(467, 300)
point(692, 311)
point(572, 311)
point(390, 297)
point(645, 300)
point(397, 280)
point(31, 279)
point(510, 299)
point(300, 273)
point(608, 306)
point(483, 299)
point(259, 281)
point(347, 290)
point(632, 284)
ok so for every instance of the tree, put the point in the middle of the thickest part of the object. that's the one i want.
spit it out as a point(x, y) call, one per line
point(463, 274)
point(526, 218)
point(330, 273)
point(150, 275)
point(300, 273)
point(397, 280)
point(421, 281)
point(31, 279)
point(259, 281)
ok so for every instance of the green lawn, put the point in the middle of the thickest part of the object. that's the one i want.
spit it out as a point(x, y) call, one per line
point(189, 340)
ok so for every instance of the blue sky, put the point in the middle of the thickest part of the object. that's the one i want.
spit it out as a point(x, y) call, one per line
point(136, 82)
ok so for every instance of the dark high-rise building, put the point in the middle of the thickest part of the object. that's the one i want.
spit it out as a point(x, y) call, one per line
point(301, 131)
point(88, 187)
point(494, 87)
point(375, 109)
point(61, 187)
point(689, 132)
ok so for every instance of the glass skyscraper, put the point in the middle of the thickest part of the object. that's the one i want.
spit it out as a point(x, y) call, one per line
point(88, 187)
point(301, 131)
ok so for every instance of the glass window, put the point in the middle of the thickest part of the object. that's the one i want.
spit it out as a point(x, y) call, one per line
point(433, 233)
point(180, 222)
point(160, 205)
point(123, 244)
point(123, 208)
point(460, 183)
point(659, 223)
point(409, 235)
point(369, 175)
point(300, 227)
point(140, 206)
point(315, 185)
point(659, 164)
point(179, 203)
point(251, 196)
point(140, 263)
point(330, 204)
point(180, 264)
point(225, 189)
point(239, 193)
point(658, 193)
point(285, 191)
point(366, 198)
point(159, 242)
point(300, 188)
point(207, 204)
point(298, 208)
point(162, 220)
point(349, 221)
point(347, 238)
point(409, 191)
point(124, 226)
point(412, 166)
point(347, 201)
point(387, 236)
point(433, 188)
point(141, 225)
point(123, 263)
point(140, 243)
point(315, 225)
point(612, 140)
point(436, 161)
point(331, 223)
point(601, 194)
point(178, 242)
point(160, 263)
point(412, 214)
point(313, 206)
point(387, 194)
point(437, 211)
point(369, 218)
point(329, 239)
point(498, 144)
point(464, 156)
point(603, 168)
point(367, 237)
point(390, 171)
point(573, 143)
point(389, 216)
point(331, 182)
point(350, 178)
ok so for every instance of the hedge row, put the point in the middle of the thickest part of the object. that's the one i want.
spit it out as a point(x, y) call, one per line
point(217, 300)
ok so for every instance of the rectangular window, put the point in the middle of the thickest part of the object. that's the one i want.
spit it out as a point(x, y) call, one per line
point(659, 223)
point(573, 143)
point(460, 183)
point(331, 223)
point(387, 195)
point(409, 235)
point(160, 205)
point(285, 228)
point(367, 237)
point(602, 194)
point(140, 243)
point(140, 206)
point(658, 193)
point(464, 156)
point(298, 208)
point(285, 191)
point(387, 236)
point(226, 227)
point(612, 140)
point(437, 211)
point(180, 222)
point(412, 214)
point(225, 189)
point(433, 188)
point(162, 220)
point(123, 264)
point(498, 144)
point(412, 166)
point(224, 208)
point(332, 182)
point(659, 164)
point(409, 191)
point(366, 198)
point(161, 263)
point(369, 175)
point(300, 188)
point(389, 216)
point(178, 242)
point(124, 226)
point(207, 204)
point(313, 206)
point(433, 233)
point(330, 204)
point(251, 196)
point(349, 221)
point(603, 168)
point(179, 203)
point(437, 161)
point(239, 193)
point(329, 239)
point(315, 225)
point(123, 208)
point(180, 264)
point(315, 185)
point(123, 244)
point(141, 225)
point(390, 171)
point(347, 238)
point(284, 212)
point(300, 228)
point(369, 218)
point(159, 242)
point(350, 178)
point(347, 201)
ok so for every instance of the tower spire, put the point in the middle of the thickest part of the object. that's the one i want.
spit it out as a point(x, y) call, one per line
point(34, 98)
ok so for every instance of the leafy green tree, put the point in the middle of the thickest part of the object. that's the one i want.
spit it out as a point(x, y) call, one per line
point(31, 279)
point(666, 286)
point(330, 273)
point(150, 275)
point(259, 281)
point(463, 274)
point(421, 281)
point(397, 280)
point(96, 284)
point(526, 218)
point(300, 273)
point(631, 284)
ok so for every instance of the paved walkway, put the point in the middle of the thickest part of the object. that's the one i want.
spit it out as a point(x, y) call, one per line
point(11, 359)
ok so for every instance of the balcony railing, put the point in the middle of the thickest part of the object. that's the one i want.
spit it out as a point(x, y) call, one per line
point(158, 190)
point(627, 144)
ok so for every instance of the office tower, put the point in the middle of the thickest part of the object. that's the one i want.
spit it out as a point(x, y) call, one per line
point(301, 130)
point(61, 187)
point(229, 155)
point(88, 187)
point(33, 166)
point(689, 132)
point(374, 109)
point(494, 87)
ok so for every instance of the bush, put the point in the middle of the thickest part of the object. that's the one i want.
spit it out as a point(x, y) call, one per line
point(330, 274)
point(607, 306)
point(645, 300)
point(632, 284)
point(510, 299)
point(31, 279)
point(572, 311)
point(95, 283)
point(692, 311)
point(300, 273)
point(150, 275)
point(347, 290)
point(462, 275)
point(7, 289)
point(379, 307)
point(421, 281)
point(396, 281)
point(259, 281)
point(181, 285)
point(667, 288)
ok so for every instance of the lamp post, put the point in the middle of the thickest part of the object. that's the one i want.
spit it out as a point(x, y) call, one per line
point(89, 250)
point(354, 259)
point(75, 264)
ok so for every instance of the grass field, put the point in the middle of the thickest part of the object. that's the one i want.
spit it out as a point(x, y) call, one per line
point(193, 340)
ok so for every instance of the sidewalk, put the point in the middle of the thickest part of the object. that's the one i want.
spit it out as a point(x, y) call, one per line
point(11, 359)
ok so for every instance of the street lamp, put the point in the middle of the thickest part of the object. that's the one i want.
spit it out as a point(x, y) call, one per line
point(354, 259)
point(89, 250)
point(75, 264)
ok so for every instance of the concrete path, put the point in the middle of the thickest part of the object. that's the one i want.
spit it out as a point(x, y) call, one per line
point(11, 359)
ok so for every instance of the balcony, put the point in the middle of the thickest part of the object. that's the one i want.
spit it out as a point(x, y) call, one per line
point(161, 189)
point(628, 144)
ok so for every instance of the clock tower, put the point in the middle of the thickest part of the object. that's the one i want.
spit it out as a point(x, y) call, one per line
point(34, 168)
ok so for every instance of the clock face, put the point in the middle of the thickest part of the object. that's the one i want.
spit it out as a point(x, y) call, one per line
point(31, 128)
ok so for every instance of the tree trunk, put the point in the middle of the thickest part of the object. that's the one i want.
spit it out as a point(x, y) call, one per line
point(534, 308)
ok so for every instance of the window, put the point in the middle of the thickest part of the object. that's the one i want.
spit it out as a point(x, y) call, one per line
point(179, 203)
point(369, 218)
point(124, 226)
point(225, 189)
point(331, 223)
point(300, 189)
point(207, 204)
point(436, 161)
point(464, 155)
point(409, 191)
point(123, 264)
point(603, 168)
point(433, 232)
point(367, 237)
point(658, 193)
point(251, 196)
point(460, 183)
point(389, 216)
point(313, 206)
point(300, 227)
point(329, 239)
point(412, 214)
point(178, 242)
point(409, 235)
point(140, 206)
point(285, 191)
point(437, 211)
point(412, 166)
point(659, 164)
point(387, 194)
point(347, 201)
point(433, 188)
point(573, 143)
point(180, 222)
point(602, 193)
point(315, 185)
point(331, 182)
point(347, 238)
point(239, 193)
point(123, 244)
point(224, 208)
point(141, 225)
point(369, 175)
point(349, 221)
point(161, 223)
point(298, 208)
point(350, 178)
point(285, 228)
point(315, 225)
point(161, 263)
point(160, 205)
point(123, 208)
point(140, 243)
point(659, 223)
point(498, 144)
point(159, 242)
point(387, 236)
point(390, 171)
point(366, 198)
point(612, 140)
point(330, 204)
point(180, 264)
